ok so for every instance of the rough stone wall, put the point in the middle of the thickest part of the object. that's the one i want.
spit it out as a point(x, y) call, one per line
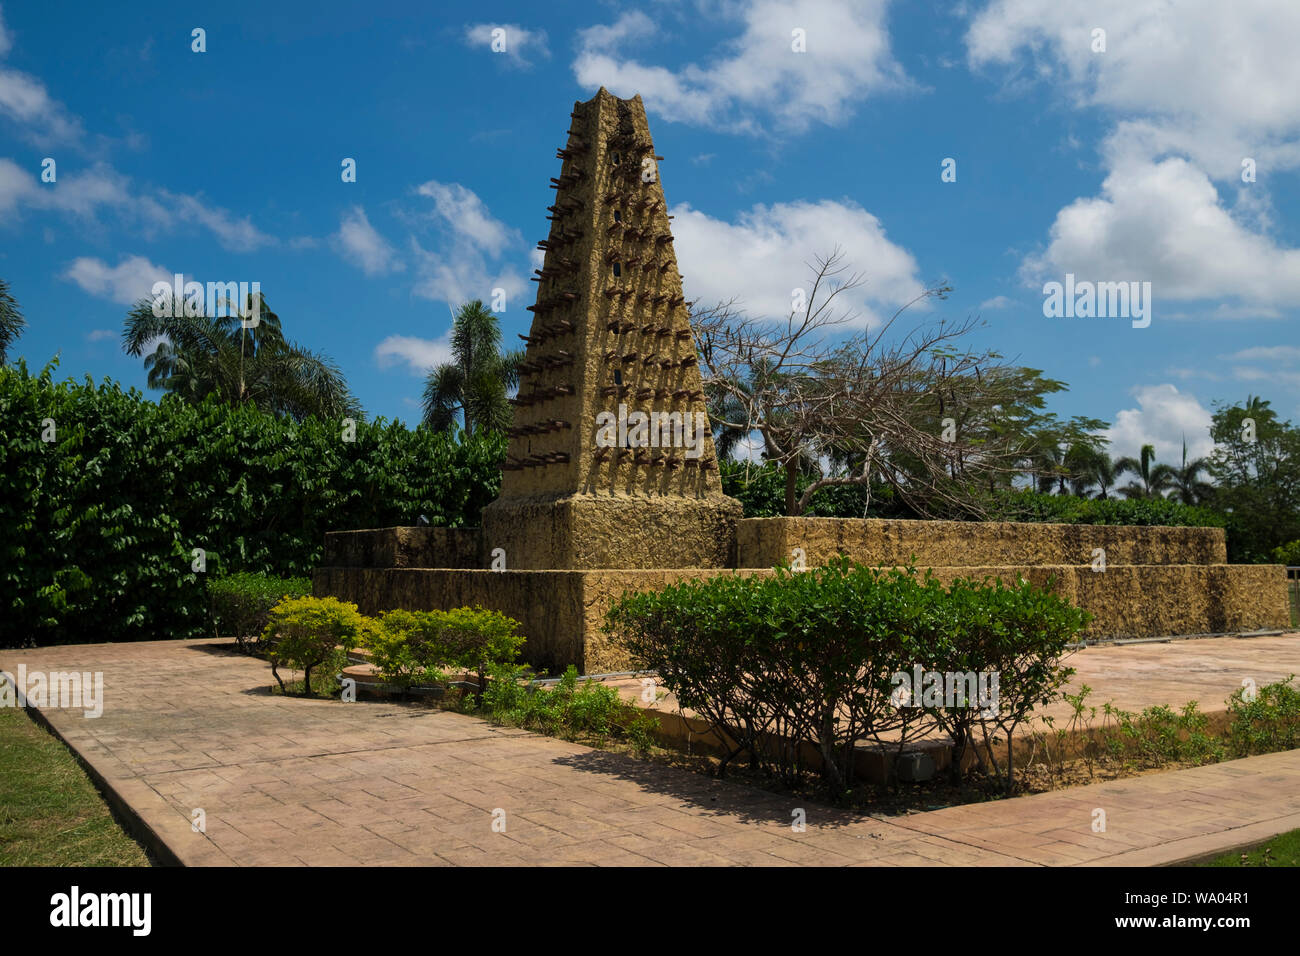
point(403, 548)
point(768, 542)
point(548, 604)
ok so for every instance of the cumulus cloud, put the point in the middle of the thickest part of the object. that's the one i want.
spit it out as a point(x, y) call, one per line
point(756, 73)
point(1191, 93)
point(466, 215)
point(1162, 222)
point(1163, 416)
point(512, 44)
point(127, 282)
point(465, 264)
point(359, 243)
point(762, 256)
point(419, 355)
point(1217, 85)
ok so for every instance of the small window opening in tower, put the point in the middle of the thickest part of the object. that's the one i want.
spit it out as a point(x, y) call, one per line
point(618, 216)
point(613, 159)
point(618, 269)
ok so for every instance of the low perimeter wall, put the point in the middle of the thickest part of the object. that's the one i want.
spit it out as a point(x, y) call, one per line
point(769, 542)
point(561, 611)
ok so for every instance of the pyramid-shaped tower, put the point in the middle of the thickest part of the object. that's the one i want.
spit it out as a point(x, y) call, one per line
point(611, 461)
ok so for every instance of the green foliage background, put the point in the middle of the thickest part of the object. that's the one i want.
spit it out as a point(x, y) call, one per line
point(761, 490)
point(97, 527)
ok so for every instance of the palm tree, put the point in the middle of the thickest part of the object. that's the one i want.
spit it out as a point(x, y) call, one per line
point(1185, 483)
point(12, 322)
point(1155, 479)
point(197, 356)
point(1104, 473)
point(474, 383)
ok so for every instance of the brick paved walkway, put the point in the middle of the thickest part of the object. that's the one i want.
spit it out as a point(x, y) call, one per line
point(187, 725)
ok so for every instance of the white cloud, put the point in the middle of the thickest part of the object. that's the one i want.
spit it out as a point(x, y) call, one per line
point(237, 235)
point(84, 194)
point(420, 355)
point(997, 302)
point(1268, 353)
point(517, 39)
point(1217, 84)
point(1280, 376)
point(100, 335)
point(360, 244)
point(457, 274)
point(127, 282)
point(1162, 222)
point(25, 101)
point(757, 72)
point(1191, 91)
point(763, 256)
point(1163, 416)
point(465, 264)
point(465, 214)
point(78, 194)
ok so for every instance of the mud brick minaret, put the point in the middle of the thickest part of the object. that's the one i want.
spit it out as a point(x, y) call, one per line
point(611, 461)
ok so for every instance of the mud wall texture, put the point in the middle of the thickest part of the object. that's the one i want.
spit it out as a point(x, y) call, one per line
point(769, 542)
point(583, 532)
point(403, 548)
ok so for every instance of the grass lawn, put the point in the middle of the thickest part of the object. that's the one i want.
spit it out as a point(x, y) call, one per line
point(50, 812)
point(1282, 850)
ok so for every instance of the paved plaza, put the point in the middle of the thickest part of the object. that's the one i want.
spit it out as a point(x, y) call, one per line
point(189, 726)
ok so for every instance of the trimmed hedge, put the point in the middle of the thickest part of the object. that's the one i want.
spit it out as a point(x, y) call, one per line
point(99, 526)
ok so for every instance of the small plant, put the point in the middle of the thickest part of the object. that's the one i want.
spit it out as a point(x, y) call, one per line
point(408, 647)
point(308, 632)
point(571, 709)
point(1269, 722)
point(477, 638)
point(240, 604)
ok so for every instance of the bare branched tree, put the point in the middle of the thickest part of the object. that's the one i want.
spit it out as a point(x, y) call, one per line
point(910, 410)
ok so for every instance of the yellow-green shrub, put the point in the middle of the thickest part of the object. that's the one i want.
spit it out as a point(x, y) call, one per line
point(308, 632)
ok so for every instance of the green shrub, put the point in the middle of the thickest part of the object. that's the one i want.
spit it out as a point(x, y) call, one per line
point(241, 603)
point(1015, 633)
point(807, 658)
point(761, 490)
point(570, 709)
point(1269, 722)
point(414, 646)
point(98, 527)
point(409, 647)
point(309, 632)
point(1288, 554)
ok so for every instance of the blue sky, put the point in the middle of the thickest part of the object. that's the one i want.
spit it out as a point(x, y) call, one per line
point(1122, 164)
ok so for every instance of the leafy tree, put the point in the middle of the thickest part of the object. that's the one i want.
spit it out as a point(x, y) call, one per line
point(1256, 468)
point(474, 384)
point(198, 355)
point(12, 322)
